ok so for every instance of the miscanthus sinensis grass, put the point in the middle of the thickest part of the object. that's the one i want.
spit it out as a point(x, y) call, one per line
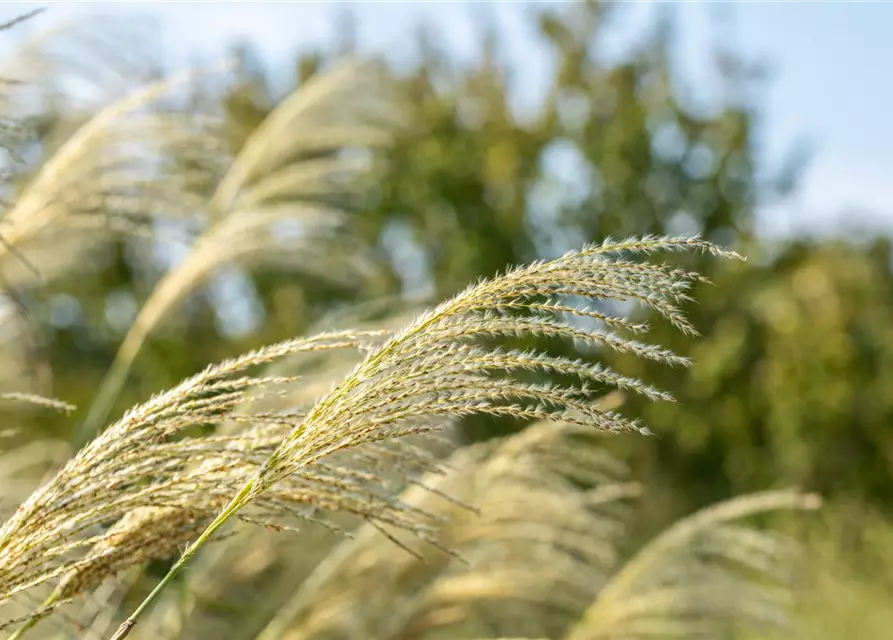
point(707, 575)
point(160, 487)
point(438, 366)
point(542, 558)
point(258, 570)
point(443, 365)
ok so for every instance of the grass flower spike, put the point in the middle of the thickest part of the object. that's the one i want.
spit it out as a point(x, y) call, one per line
point(440, 365)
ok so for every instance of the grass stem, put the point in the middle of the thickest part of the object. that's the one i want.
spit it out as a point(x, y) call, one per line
point(234, 506)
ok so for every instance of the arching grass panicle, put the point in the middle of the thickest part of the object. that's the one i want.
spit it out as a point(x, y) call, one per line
point(107, 178)
point(144, 472)
point(442, 364)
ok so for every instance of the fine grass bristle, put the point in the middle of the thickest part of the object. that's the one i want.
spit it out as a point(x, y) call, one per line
point(439, 366)
point(143, 461)
point(38, 400)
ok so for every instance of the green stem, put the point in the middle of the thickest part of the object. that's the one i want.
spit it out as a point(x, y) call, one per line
point(235, 505)
point(41, 612)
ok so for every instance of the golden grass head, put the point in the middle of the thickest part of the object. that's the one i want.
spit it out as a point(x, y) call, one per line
point(284, 200)
point(440, 365)
point(704, 576)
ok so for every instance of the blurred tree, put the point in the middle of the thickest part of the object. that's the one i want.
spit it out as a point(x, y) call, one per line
point(791, 384)
point(611, 150)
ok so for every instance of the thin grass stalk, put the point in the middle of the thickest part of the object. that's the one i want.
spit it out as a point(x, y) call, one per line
point(235, 505)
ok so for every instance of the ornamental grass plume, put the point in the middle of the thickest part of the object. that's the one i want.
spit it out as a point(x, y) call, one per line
point(107, 172)
point(285, 199)
point(256, 571)
point(253, 572)
point(440, 366)
point(161, 486)
point(147, 473)
point(366, 480)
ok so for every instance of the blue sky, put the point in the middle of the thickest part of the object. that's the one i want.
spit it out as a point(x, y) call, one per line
point(830, 64)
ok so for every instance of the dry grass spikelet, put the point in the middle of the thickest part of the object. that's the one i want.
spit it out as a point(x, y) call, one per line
point(146, 533)
point(160, 490)
point(254, 571)
point(38, 401)
point(107, 178)
point(271, 565)
point(440, 365)
point(320, 371)
point(364, 481)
